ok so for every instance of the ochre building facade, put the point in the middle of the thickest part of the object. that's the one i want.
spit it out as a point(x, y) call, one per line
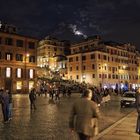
point(104, 64)
point(51, 57)
point(17, 62)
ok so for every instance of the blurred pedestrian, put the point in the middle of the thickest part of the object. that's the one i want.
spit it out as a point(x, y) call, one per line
point(83, 115)
point(69, 92)
point(64, 91)
point(138, 110)
point(96, 96)
point(57, 94)
point(5, 105)
point(32, 97)
point(10, 104)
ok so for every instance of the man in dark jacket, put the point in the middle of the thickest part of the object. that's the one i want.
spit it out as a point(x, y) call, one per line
point(138, 110)
point(5, 105)
point(32, 97)
point(10, 104)
point(83, 115)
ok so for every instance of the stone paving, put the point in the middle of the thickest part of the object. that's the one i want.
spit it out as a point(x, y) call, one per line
point(124, 129)
point(50, 120)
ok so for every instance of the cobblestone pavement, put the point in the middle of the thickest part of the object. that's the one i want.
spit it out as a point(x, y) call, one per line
point(50, 120)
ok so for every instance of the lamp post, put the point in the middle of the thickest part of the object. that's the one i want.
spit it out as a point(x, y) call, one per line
point(84, 77)
point(25, 84)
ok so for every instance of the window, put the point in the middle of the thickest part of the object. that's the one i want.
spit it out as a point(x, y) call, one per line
point(77, 76)
point(108, 58)
point(113, 76)
point(92, 56)
point(85, 47)
point(61, 49)
point(55, 49)
point(19, 43)
point(19, 85)
point(32, 59)
point(19, 72)
point(105, 58)
point(84, 57)
point(112, 59)
point(93, 66)
point(19, 57)
point(77, 58)
point(8, 72)
point(70, 68)
point(31, 84)
point(103, 76)
point(77, 68)
point(8, 56)
point(31, 73)
point(93, 75)
point(100, 76)
point(31, 45)
point(70, 59)
point(84, 67)
point(8, 41)
point(99, 57)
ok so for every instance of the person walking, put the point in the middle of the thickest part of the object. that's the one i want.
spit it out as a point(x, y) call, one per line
point(10, 104)
point(138, 110)
point(5, 105)
point(32, 97)
point(57, 94)
point(83, 115)
point(69, 92)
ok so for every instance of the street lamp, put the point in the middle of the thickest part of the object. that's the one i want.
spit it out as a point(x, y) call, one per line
point(84, 77)
point(25, 84)
point(124, 67)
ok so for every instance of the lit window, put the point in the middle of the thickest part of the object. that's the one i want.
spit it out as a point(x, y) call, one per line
point(31, 73)
point(19, 85)
point(31, 84)
point(18, 73)
point(8, 57)
point(8, 72)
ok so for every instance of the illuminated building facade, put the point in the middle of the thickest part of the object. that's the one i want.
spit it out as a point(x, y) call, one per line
point(51, 56)
point(17, 61)
point(103, 64)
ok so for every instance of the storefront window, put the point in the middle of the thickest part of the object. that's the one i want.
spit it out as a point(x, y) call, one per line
point(19, 85)
point(31, 84)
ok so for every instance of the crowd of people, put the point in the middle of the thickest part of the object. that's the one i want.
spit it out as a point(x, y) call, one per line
point(55, 91)
point(86, 109)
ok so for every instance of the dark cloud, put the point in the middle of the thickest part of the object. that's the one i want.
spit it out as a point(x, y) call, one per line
point(113, 19)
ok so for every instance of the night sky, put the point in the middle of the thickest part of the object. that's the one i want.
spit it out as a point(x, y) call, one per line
point(116, 20)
